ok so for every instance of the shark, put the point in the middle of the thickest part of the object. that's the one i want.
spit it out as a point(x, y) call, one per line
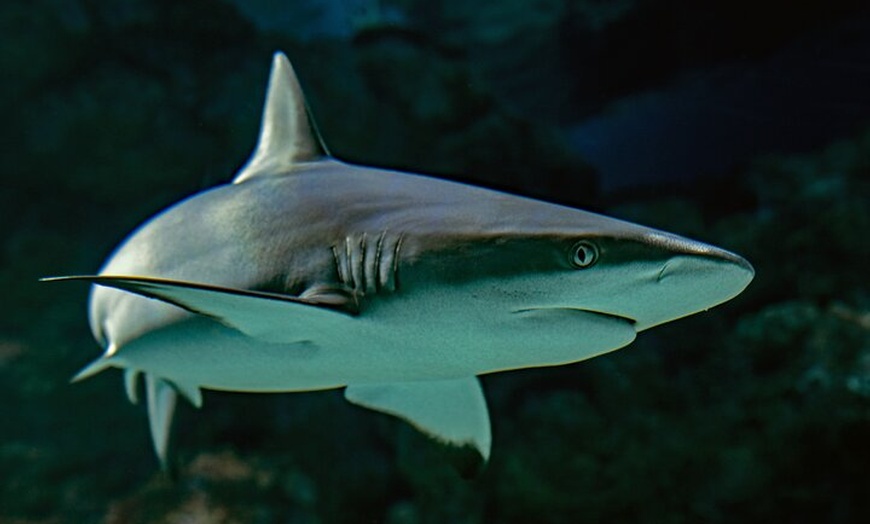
point(307, 273)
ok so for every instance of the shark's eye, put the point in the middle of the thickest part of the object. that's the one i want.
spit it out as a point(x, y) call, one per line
point(583, 254)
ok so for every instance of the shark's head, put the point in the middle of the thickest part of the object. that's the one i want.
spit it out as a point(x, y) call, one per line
point(541, 257)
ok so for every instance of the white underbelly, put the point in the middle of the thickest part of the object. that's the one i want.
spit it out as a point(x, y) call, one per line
point(372, 349)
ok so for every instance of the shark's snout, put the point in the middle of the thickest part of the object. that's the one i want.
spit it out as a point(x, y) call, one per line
point(721, 271)
point(697, 267)
point(688, 283)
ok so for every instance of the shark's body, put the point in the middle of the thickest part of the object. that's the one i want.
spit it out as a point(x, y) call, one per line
point(308, 273)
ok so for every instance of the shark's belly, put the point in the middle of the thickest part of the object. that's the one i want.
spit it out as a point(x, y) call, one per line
point(410, 346)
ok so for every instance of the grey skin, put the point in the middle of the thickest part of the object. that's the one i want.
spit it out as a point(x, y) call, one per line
point(307, 273)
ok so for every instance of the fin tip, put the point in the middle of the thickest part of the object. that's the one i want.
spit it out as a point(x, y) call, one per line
point(91, 369)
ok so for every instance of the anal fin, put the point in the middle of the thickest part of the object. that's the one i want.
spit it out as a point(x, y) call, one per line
point(191, 393)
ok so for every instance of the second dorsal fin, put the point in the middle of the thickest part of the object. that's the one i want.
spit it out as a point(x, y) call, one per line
point(288, 136)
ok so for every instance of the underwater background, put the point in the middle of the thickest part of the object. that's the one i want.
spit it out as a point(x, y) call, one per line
point(744, 124)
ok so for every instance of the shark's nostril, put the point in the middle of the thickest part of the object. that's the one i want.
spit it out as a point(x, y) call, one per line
point(663, 271)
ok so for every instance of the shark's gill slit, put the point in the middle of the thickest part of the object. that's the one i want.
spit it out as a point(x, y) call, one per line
point(367, 286)
point(385, 262)
point(377, 279)
point(394, 274)
point(339, 265)
point(347, 261)
point(357, 261)
point(365, 281)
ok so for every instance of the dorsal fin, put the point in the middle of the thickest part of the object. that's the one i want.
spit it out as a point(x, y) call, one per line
point(288, 136)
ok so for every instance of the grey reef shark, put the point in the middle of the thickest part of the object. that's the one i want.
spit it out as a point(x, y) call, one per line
point(307, 273)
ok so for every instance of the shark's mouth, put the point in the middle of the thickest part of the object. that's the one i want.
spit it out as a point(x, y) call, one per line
point(623, 318)
point(612, 316)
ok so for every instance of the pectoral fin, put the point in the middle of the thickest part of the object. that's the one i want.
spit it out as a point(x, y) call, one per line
point(452, 411)
point(267, 316)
